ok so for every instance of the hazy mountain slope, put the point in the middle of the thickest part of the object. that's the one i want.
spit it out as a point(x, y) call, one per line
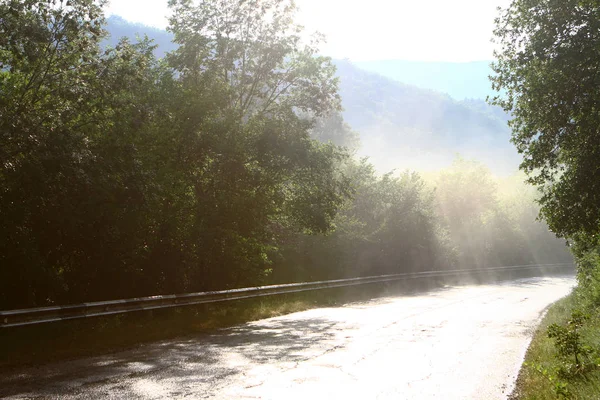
point(459, 80)
point(118, 27)
point(400, 125)
point(406, 126)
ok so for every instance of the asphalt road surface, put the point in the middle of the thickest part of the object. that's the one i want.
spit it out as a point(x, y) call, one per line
point(459, 342)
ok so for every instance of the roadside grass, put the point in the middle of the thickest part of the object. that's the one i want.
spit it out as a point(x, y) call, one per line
point(540, 377)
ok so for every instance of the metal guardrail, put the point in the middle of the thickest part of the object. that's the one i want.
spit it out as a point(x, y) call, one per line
point(29, 316)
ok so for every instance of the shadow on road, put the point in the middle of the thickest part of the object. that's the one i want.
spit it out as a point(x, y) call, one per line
point(189, 361)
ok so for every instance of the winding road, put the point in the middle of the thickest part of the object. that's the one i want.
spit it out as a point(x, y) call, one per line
point(458, 342)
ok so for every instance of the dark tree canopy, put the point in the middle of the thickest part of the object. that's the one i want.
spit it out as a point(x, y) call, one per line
point(548, 77)
point(122, 175)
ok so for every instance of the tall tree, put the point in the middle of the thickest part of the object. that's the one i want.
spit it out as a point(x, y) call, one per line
point(257, 171)
point(548, 79)
point(256, 48)
point(72, 191)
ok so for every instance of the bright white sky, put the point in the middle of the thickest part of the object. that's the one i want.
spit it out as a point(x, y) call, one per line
point(420, 30)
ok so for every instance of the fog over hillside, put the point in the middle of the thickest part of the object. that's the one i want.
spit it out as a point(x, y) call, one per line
point(468, 80)
point(402, 125)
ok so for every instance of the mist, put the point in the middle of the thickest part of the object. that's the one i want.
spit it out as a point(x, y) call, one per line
point(403, 126)
point(418, 154)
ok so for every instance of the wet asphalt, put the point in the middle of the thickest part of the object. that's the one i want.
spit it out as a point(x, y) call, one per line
point(459, 342)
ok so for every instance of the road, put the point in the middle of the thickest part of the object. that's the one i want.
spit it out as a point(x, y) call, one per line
point(459, 342)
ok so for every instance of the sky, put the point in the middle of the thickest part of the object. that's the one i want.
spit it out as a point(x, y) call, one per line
point(364, 30)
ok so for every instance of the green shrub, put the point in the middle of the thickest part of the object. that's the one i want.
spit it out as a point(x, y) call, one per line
point(570, 346)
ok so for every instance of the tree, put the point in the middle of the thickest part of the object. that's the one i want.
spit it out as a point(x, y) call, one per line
point(72, 117)
point(255, 170)
point(256, 49)
point(547, 77)
point(333, 129)
point(123, 175)
point(466, 197)
point(388, 226)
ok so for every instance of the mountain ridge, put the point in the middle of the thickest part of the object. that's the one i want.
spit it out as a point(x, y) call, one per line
point(401, 125)
point(461, 80)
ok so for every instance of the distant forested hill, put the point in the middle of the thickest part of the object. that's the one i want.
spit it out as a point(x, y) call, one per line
point(406, 126)
point(459, 80)
point(118, 27)
point(400, 125)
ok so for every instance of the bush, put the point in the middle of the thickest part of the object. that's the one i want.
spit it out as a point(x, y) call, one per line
point(568, 341)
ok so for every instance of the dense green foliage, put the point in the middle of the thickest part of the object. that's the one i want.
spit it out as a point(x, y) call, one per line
point(547, 72)
point(459, 217)
point(123, 174)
